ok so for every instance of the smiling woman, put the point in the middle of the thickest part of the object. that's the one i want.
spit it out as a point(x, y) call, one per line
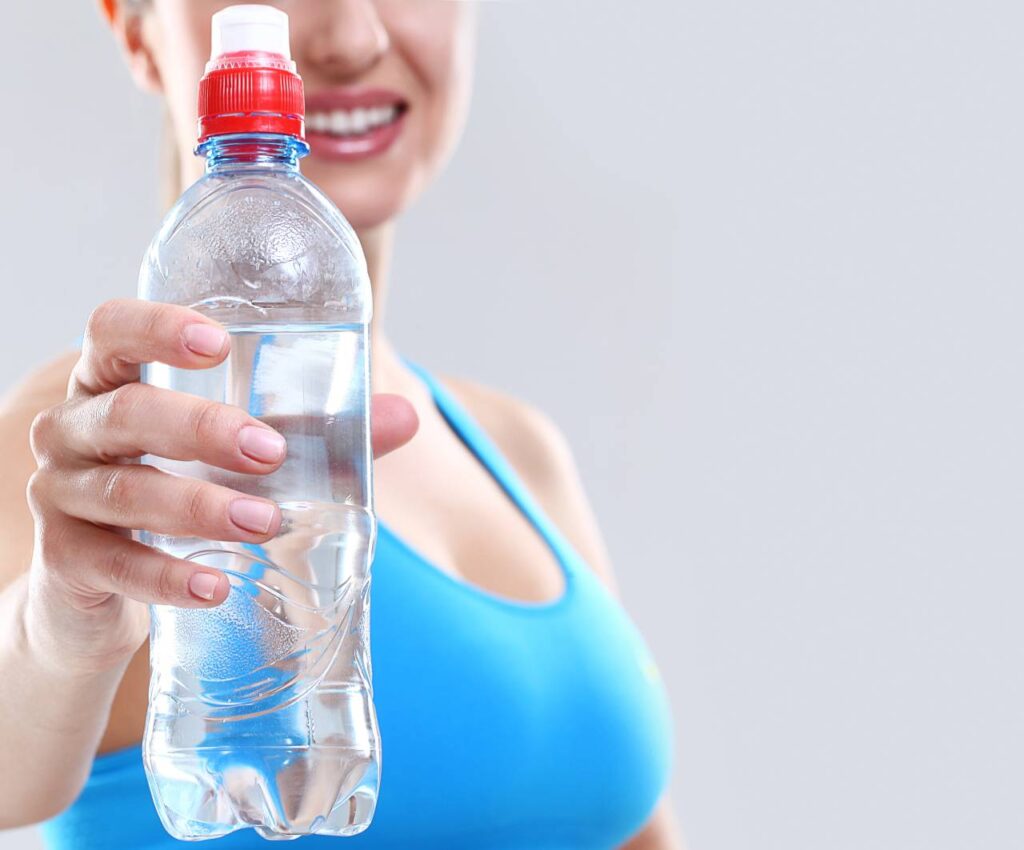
point(519, 706)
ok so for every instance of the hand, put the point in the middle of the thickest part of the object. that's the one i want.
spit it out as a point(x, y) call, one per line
point(90, 582)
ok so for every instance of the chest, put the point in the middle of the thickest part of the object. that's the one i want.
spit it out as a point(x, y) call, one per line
point(542, 723)
point(445, 503)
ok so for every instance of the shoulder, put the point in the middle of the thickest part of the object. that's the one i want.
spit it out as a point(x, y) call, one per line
point(43, 387)
point(541, 456)
point(528, 438)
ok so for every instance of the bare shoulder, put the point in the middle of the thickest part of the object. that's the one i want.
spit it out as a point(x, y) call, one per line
point(42, 388)
point(540, 454)
point(526, 436)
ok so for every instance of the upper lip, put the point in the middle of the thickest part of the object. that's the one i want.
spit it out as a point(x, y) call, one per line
point(352, 97)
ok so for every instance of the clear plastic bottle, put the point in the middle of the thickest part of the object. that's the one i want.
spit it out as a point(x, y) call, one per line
point(261, 711)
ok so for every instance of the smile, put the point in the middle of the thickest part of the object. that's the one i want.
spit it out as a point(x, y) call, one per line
point(352, 123)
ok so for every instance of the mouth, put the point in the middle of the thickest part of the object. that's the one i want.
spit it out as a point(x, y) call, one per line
point(352, 124)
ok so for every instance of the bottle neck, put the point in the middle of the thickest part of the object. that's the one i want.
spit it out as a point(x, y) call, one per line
point(252, 150)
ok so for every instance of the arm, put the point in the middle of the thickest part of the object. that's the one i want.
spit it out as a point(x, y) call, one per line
point(47, 733)
point(51, 718)
point(542, 458)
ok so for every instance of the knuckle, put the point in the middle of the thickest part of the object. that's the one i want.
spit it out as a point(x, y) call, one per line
point(102, 317)
point(79, 378)
point(122, 405)
point(157, 321)
point(120, 566)
point(207, 421)
point(35, 490)
point(197, 506)
point(167, 583)
point(119, 492)
point(42, 430)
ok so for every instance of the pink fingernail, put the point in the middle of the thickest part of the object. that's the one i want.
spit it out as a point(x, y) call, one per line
point(261, 444)
point(207, 340)
point(252, 515)
point(203, 585)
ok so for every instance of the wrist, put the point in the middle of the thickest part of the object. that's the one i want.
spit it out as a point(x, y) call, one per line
point(60, 703)
point(69, 642)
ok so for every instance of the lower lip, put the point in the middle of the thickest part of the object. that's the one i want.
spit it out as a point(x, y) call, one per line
point(355, 148)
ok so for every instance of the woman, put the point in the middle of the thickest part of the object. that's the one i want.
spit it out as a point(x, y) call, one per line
point(518, 708)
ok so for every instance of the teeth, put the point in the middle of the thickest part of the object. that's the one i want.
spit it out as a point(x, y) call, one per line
point(340, 123)
point(344, 122)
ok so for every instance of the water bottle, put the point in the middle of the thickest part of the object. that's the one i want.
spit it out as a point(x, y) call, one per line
point(260, 710)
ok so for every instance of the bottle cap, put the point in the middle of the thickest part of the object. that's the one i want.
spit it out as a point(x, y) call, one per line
point(248, 29)
point(250, 84)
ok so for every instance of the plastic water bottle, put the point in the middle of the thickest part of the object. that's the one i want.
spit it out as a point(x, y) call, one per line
point(261, 711)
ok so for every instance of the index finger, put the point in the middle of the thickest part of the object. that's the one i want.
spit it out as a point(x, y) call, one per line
point(125, 333)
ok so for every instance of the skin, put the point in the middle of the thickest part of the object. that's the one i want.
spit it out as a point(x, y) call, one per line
point(73, 608)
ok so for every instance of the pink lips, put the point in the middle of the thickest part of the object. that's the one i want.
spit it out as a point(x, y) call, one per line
point(355, 147)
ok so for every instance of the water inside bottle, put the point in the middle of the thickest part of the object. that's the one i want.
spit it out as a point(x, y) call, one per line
point(266, 696)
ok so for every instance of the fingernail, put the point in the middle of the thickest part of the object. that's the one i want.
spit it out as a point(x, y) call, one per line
point(203, 585)
point(252, 515)
point(207, 340)
point(261, 444)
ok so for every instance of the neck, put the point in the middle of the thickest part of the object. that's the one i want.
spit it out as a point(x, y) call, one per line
point(378, 244)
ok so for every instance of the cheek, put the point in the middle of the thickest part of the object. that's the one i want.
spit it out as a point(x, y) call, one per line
point(437, 45)
point(181, 46)
point(432, 45)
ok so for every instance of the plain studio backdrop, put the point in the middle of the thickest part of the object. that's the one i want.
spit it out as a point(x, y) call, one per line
point(762, 263)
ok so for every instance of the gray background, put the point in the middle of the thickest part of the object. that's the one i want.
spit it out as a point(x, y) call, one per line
point(761, 261)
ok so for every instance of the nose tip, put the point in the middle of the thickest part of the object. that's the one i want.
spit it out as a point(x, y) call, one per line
point(348, 39)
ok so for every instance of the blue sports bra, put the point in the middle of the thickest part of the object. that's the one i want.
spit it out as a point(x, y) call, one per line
point(504, 724)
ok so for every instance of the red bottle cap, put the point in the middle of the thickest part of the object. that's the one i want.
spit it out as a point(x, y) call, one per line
point(250, 84)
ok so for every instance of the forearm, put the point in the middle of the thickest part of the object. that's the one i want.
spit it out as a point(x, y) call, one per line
point(52, 711)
